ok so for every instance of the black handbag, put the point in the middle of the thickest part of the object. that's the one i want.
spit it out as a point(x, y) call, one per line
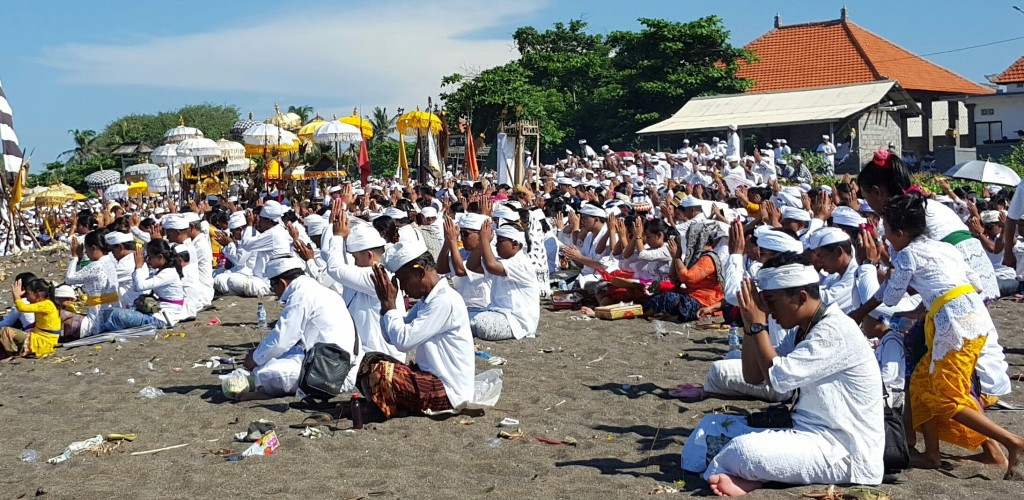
point(773, 417)
point(896, 456)
point(324, 370)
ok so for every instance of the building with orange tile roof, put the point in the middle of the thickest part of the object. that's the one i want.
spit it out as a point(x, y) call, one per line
point(999, 118)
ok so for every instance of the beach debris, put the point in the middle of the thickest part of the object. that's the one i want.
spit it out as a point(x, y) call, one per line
point(560, 403)
point(465, 421)
point(214, 362)
point(169, 335)
point(568, 441)
point(63, 359)
point(95, 371)
point(511, 436)
point(121, 437)
point(508, 422)
point(312, 433)
point(236, 382)
point(131, 381)
point(158, 450)
point(214, 321)
point(78, 374)
point(264, 446)
point(663, 488)
point(75, 448)
point(257, 429)
point(494, 443)
point(150, 392)
point(28, 455)
point(219, 452)
point(496, 361)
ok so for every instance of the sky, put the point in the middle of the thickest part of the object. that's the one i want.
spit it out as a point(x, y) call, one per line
point(69, 64)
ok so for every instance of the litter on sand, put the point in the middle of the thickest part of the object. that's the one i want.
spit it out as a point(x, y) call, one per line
point(312, 433)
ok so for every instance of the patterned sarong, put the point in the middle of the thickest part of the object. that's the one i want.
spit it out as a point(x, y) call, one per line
point(399, 389)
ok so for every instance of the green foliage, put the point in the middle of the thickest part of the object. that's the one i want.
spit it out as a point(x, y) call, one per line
point(384, 157)
point(383, 125)
point(72, 174)
point(85, 145)
point(602, 88)
point(1015, 159)
point(213, 119)
point(305, 112)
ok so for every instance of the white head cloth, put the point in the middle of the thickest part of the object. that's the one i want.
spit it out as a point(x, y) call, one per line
point(273, 210)
point(788, 276)
point(511, 233)
point(363, 237)
point(279, 265)
point(402, 253)
point(826, 236)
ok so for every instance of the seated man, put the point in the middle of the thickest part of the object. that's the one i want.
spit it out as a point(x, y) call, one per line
point(312, 314)
point(837, 434)
point(437, 327)
point(235, 277)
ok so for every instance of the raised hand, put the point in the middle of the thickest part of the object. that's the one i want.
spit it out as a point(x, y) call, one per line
point(737, 240)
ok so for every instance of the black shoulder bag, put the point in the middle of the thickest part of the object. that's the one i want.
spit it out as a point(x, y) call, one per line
point(325, 368)
point(897, 455)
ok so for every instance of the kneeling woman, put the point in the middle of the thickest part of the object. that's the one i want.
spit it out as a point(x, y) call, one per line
point(698, 279)
point(163, 280)
point(437, 327)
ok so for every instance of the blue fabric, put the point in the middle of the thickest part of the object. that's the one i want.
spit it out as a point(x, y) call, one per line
point(120, 319)
point(681, 305)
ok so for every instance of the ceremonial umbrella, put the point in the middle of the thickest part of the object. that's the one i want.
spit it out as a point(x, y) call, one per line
point(363, 124)
point(287, 121)
point(231, 150)
point(162, 180)
point(181, 132)
point(53, 197)
point(986, 172)
point(140, 169)
point(264, 137)
point(102, 179)
point(335, 132)
point(236, 165)
point(115, 192)
point(242, 125)
point(140, 188)
point(418, 121)
point(307, 130)
point(168, 155)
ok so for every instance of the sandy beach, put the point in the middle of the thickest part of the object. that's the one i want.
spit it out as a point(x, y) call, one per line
point(600, 384)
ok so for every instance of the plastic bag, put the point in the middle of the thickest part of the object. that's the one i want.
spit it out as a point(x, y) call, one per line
point(236, 382)
point(150, 392)
point(487, 388)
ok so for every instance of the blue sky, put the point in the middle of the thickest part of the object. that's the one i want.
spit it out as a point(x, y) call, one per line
point(71, 64)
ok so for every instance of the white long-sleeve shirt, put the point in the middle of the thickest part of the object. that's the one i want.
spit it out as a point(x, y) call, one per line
point(242, 261)
point(517, 294)
point(166, 285)
point(438, 328)
point(360, 296)
point(269, 243)
point(311, 315)
point(96, 279)
point(204, 267)
point(838, 288)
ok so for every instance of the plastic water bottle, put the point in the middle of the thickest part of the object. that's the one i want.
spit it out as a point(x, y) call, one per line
point(357, 411)
point(261, 315)
point(735, 338)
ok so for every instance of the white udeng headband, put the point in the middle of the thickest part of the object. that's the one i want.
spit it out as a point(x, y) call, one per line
point(788, 276)
point(512, 234)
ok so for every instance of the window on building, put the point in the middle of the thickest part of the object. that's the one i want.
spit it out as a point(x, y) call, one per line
point(989, 131)
point(914, 125)
point(987, 111)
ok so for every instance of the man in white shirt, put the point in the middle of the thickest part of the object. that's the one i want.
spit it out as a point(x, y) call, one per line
point(437, 327)
point(202, 259)
point(265, 236)
point(733, 148)
point(312, 315)
point(238, 280)
point(351, 252)
point(838, 431)
point(832, 253)
point(828, 151)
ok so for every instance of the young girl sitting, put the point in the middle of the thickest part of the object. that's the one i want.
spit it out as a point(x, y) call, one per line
point(956, 327)
point(162, 279)
point(42, 339)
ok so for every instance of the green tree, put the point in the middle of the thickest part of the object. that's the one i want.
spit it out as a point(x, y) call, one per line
point(1015, 159)
point(384, 157)
point(304, 112)
point(73, 174)
point(213, 119)
point(383, 124)
point(85, 146)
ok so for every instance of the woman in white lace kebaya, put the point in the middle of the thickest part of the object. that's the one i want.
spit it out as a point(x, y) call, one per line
point(956, 327)
point(98, 279)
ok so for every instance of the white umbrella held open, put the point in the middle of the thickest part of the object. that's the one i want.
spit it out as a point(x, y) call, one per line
point(268, 135)
point(986, 172)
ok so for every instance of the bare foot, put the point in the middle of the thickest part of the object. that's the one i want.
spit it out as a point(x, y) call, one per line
point(920, 460)
point(990, 455)
point(725, 485)
point(586, 311)
point(1013, 467)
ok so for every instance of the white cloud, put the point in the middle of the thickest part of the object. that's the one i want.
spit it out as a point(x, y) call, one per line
point(385, 53)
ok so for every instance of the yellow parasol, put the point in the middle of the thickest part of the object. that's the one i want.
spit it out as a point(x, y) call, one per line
point(273, 170)
point(251, 150)
point(307, 130)
point(296, 174)
point(361, 123)
point(55, 196)
point(422, 121)
point(140, 188)
point(78, 197)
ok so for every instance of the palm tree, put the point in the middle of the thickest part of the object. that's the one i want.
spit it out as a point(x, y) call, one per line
point(85, 142)
point(383, 124)
point(304, 112)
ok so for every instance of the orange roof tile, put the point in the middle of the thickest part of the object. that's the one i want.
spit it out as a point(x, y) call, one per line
point(840, 53)
point(1013, 74)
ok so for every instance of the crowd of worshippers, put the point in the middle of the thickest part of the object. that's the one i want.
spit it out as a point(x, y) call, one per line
point(855, 298)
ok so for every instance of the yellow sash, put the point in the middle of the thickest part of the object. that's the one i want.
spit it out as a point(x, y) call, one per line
point(929, 319)
point(107, 298)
